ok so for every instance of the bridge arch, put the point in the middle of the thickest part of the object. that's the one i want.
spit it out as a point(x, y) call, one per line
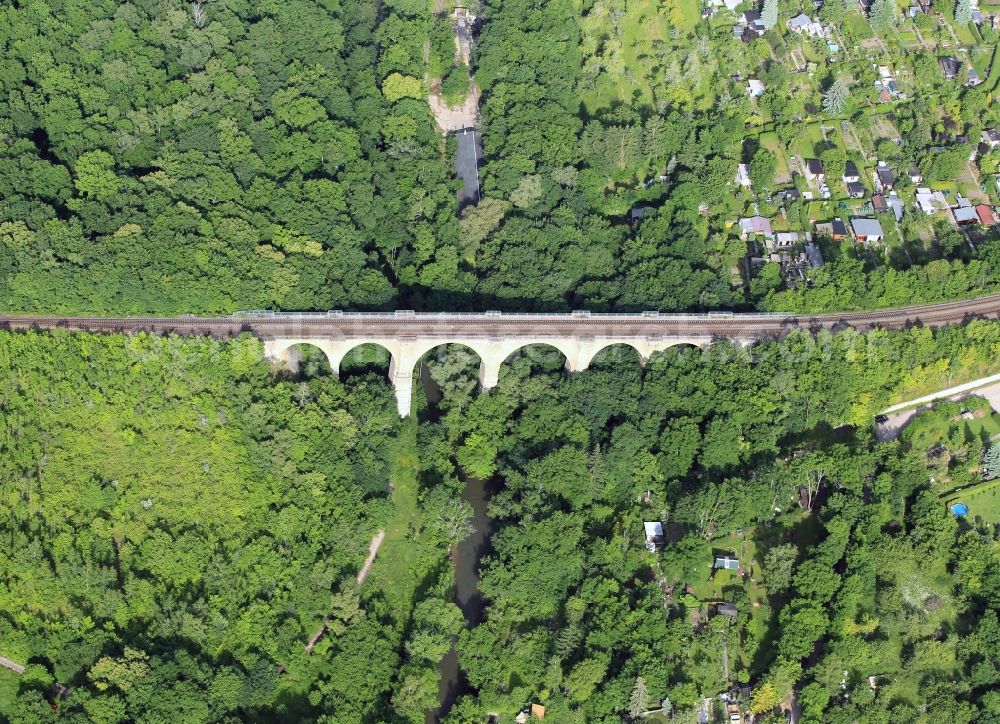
point(283, 350)
point(454, 350)
point(366, 354)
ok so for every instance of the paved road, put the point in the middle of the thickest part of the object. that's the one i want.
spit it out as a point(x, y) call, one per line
point(467, 157)
point(493, 325)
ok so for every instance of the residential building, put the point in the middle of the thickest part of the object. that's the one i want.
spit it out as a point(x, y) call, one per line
point(991, 137)
point(884, 178)
point(726, 563)
point(726, 609)
point(783, 240)
point(851, 174)
point(856, 190)
point(965, 216)
point(838, 230)
point(814, 170)
point(950, 66)
point(755, 88)
point(879, 204)
point(799, 23)
point(654, 535)
point(867, 230)
point(754, 225)
point(896, 204)
point(987, 216)
point(814, 255)
point(931, 202)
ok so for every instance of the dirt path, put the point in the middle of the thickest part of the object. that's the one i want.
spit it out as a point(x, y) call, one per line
point(362, 575)
point(465, 114)
point(372, 551)
point(455, 118)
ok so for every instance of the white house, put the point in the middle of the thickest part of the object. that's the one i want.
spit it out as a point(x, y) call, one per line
point(654, 534)
point(755, 88)
point(931, 202)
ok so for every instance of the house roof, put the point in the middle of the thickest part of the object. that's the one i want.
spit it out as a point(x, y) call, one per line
point(991, 135)
point(851, 169)
point(949, 65)
point(931, 201)
point(726, 609)
point(756, 225)
point(879, 203)
point(729, 564)
point(897, 206)
point(839, 228)
point(815, 257)
point(966, 214)
point(885, 174)
point(800, 21)
point(814, 166)
point(654, 529)
point(854, 188)
point(866, 227)
point(987, 217)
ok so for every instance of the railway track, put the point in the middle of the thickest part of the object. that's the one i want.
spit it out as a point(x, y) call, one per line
point(492, 324)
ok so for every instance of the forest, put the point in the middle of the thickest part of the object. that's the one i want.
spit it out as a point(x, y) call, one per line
point(185, 518)
point(163, 157)
point(195, 533)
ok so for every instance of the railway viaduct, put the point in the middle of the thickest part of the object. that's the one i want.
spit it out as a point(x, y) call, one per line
point(579, 336)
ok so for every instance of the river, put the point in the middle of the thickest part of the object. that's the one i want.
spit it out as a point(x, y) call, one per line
point(465, 559)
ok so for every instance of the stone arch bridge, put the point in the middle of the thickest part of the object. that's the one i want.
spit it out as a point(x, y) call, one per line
point(406, 351)
point(579, 336)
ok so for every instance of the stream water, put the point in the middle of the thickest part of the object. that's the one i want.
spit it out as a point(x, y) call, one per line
point(465, 559)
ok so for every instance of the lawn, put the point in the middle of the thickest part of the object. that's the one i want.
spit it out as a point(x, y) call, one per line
point(395, 567)
point(965, 35)
point(859, 25)
point(771, 143)
point(994, 77)
point(936, 426)
point(811, 141)
point(984, 505)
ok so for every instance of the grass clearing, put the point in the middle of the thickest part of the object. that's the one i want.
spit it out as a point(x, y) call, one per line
point(984, 505)
point(771, 142)
point(859, 26)
point(396, 569)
